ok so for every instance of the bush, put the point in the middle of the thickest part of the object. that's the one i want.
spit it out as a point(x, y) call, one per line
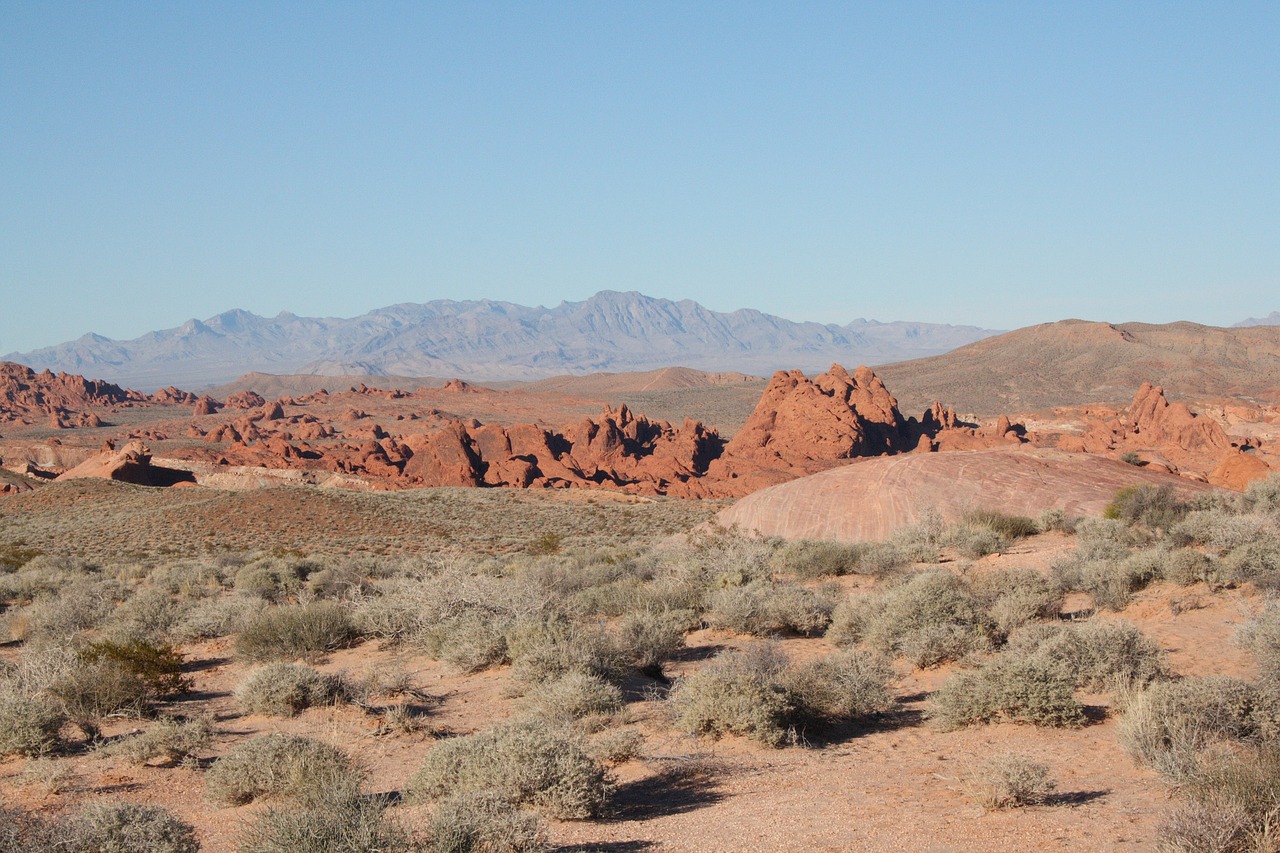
point(929, 619)
point(1101, 654)
point(1110, 581)
point(525, 762)
point(573, 696)
point(220, 616)
point(755, 693)
point(148, 616)
point(287, 689)
point(1008, 780)
point(651, 637)
point(1156, 508)
point(1221, 531)
point(484, 822)
point(29, 723)
point(280, 765)
point(808, 559)
point(158, 666)
point(1008, 688)
point(342, 824)
point(128, 828)
point(544, 650)
point(1014, 597)
point(1258, 562)
point(1168, 725)
point(1186, 566)
point(170, 738)
point(847, 685)
point(304, 631)
point(1230, 805)
point(763, 608)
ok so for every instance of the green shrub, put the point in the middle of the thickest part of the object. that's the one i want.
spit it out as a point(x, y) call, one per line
point(1054, 519)
point(525, 762)
point(1221, 531)
point(1009, 687)
point(1261, 636)
point(147, 616)
point(283, 766)
point(848, 685)
point(1263, 496)
point(1186, 566)
point(287, 689)
point(1110, 581)
point(484, 822)
point(219, 616)
point(271, 579)
point(1009, 780)
point(1258, 562)
point(304, 631)
point(127, 828)
point(1100, 654)
point(1169, 724)
point(159, 666)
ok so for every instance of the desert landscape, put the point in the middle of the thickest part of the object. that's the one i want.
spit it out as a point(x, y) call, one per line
point(298, 612)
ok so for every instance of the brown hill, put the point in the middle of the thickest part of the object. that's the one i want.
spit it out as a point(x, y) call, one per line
point(273, 386)
point(871, 498)
point(1074, 362)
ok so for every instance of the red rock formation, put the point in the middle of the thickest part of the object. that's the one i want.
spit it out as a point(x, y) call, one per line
point(204, 406)
point(25, 394)
point(130, 464)
point(245, 400)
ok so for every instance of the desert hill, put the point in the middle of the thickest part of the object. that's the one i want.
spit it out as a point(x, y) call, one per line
point(1272, 319)
point(1075, 362)
point(487, 340)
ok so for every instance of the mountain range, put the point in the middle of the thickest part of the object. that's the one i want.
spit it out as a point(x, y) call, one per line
point(488, 340)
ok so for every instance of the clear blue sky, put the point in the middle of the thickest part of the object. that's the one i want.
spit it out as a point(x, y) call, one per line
point(999, 164)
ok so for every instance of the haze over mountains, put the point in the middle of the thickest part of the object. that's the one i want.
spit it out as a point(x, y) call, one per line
point(482, 339)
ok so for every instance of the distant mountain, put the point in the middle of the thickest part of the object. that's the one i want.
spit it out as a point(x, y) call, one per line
point(486, 340)
point(1272, 319)
point(1073, 362)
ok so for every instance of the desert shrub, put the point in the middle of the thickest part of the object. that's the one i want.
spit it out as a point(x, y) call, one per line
point(573, 696)
point(1110, 581)
point(1057, 520)
point(546, 649)
point(158, 665)
point(614, 746)
point(283, 766)
point(652, 636)
point(1100, 654)
point(757, 694)
point(88, 691)
point(470, 641)
point(272, 579)
point(1009, 780)
point(148, 615)
point(1263, 496)
point(526, 762)
point(1167, 725)
point(127, 828)
point(1186, 566)
point(484, 822)
point(341, 824)
point(77, 607)
point(172, 738)
point(1261, 636)
point(15, 555)
point(1156, 508)
point(345, 581)
point(1221, 531)
point(974, 540)
point(1014, 597)
point(808, 559)
point(1229, 806)
point(29, 723)
point(1107, 539)
point(1009, 527)
point(220, 616)
point(1257, 561)
point(286, 689)
point(304, 631)
point(763, 608)
point(737, 692)
point(1009, 687)
point(930, 618)
point(848, 621)
point(848, 685)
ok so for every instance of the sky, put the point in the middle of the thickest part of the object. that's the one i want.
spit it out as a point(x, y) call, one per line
point(985, 163)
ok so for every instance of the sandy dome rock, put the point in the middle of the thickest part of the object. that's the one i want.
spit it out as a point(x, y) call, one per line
point(869, 499)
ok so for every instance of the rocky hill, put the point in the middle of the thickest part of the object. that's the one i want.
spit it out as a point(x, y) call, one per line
point(1075, 362)
point(490, 340)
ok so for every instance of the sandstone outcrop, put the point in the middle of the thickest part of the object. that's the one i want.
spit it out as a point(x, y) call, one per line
point(130, 464)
